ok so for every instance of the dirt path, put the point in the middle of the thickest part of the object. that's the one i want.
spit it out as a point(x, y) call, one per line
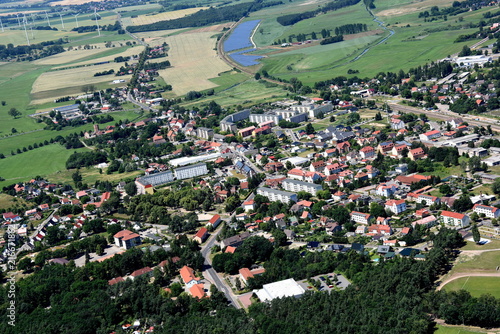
point(457, 276)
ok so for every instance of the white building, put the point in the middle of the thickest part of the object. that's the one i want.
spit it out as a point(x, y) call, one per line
point(285, 288)
point(488, 211)
point(454, 219)
point(470, 61)
point(154, 180)
point(296, 186)
point(386, 190)
point(205, 133)
point(360, 217)
point(267, 117)
point(188, 172)
point(396, 206)
point(429, 135)
point(277, 195)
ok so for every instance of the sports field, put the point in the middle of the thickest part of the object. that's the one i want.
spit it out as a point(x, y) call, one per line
point(194, 61)
point(477, 286)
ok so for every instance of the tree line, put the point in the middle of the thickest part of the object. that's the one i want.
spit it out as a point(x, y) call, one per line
point(290, 19)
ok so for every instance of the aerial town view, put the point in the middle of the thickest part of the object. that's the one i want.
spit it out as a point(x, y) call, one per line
point(249, 166)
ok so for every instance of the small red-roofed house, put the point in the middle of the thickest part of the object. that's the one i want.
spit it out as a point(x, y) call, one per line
point(197, 291)
point(214, 221)
point(187, 275)
point(140, 272)
point(201, 235)
point(115, 280)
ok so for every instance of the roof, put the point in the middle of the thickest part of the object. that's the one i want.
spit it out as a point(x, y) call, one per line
point(140, 272)
point(115, 280)
point(280, 289)
point(197, 291)
point(214, 219)
point(187, 274)
point(126, 235)
point(201, 233)
point(245, 273)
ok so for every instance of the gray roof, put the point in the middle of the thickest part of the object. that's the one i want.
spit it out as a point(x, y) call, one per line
point(305, 184)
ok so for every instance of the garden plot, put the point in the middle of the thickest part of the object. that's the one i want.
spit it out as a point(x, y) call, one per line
point(194, 60)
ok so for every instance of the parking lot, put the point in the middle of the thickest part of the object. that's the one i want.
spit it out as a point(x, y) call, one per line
point(325, 279)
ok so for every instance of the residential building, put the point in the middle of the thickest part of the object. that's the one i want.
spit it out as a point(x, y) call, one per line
point(397, 124)
point(205, 133)
point(416, 153)
point(266, 117)
point(187, 172)
point(429, 135)
point(386, 190)
point(380, 229)
point(277, 195)
point(127, 239)
point(427, 199)
point(197, 291)
point(153, 180)
point(214, 221)
point(146, 271)
point(396, 206)
point(360, 217)
point(188, 276)
point(296, 186)
point(488, 211)
point(367, 152)
point(201, 235)
point(454, 219)
point(235, 240)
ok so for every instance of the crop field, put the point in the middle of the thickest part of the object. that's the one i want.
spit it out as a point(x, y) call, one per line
point(398, 7)
point(194, 61)
point(97, 57)
point(476, 285)
point(72, 2)
point(26, 165)
point(51, 84)
point(153, 18)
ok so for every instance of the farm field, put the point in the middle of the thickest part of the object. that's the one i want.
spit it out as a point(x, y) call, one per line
point(477, 286)
point(456, 330)
point(102, 56)
point(194, 61)
point(165, 16)
point(51, 84)
point(41, 161)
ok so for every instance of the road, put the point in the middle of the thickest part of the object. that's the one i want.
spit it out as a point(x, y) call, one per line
point(211, 274)
point(26, 246)
point(137, 103)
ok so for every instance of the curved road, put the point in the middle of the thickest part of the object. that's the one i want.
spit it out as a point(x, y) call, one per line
point(457, 276)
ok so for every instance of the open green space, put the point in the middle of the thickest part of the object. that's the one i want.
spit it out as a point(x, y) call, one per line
point(485, 262)
point(90, 175)
point(477, 286)
point(455, 330)
point(7, 201)
point(493, 244)
point(246, 93)
point(41, 161)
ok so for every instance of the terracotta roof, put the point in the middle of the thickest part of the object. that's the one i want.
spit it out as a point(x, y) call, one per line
point(187, 274)
point(140, 272)
point(452, 214)
point(197, 291)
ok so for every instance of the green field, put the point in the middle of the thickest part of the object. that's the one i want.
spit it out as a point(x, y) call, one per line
point(41, 161)
point(485, 262)
point(477, 286)
point(90, 175)
point(455, 330)
point(493, 244)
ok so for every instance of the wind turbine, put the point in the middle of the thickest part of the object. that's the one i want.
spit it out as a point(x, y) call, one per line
point(1, 25)
point(95, 13)
point(18, 22)
point(76, 18)
point(48, 20)
point(26, 31)
point(62, 22)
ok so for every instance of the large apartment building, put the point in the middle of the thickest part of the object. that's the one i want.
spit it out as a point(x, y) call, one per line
point(188, 172)
point(277, 195)
point(296, 186)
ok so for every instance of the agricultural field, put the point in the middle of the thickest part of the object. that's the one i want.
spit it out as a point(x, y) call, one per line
point(165, 16)
point(194, 61)
point(477, 286)
point(25, 166)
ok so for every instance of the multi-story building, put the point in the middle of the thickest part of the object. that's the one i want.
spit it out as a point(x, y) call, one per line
point(488, 211)
point(205, 133)
point(429, 135)
point(298, 118)
point(360, 217)
point(313, 110)
point(367, 152)
point(396, 206)
point(416, 153)
point(386, 190)
point(246, 131)
point(277, 195)
point(267, 117)
point(296, 186)
point(153, 180)
point(187, 172)
point(427, 199)
point(454, 219)
point(127, 239)
point(228, 123)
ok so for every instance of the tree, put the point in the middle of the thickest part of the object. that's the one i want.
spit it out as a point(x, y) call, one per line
point(309, 129)
point(475, 234)
point(378, 116)
point(496, 186)
point(4, 103)
point(445, 189)
point(279, 237)
point(257, 76)
point(25, 264)
point(14, 112)
point(237, 283)
point(131, 188)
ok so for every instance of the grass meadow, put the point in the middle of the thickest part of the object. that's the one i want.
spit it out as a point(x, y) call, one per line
point(456, 330)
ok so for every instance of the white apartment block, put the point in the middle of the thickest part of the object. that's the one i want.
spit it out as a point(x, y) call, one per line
point(454, 219)
point(360, 217)
point(190, 171)
point(296, 186)
point(396, 206)
point(488, 211)
point(156, 179)
point(277, 195)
